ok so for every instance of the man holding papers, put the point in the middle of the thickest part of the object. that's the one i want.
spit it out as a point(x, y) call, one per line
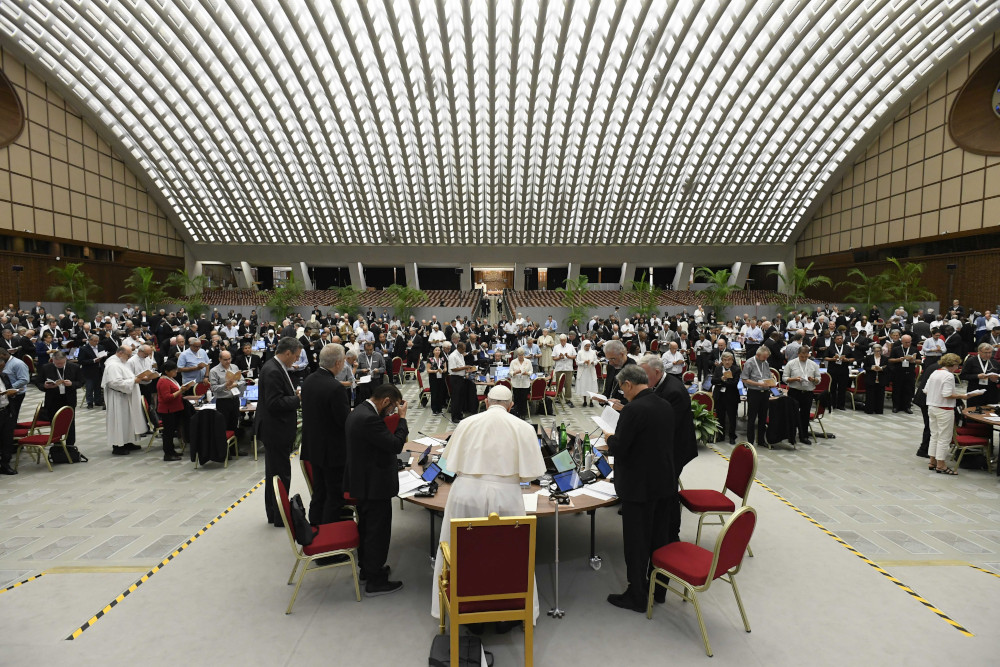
point(121, 394)
point(492, 453)
point(981, 372)
point(227, 384)
point(644, 480)
point(92, 359)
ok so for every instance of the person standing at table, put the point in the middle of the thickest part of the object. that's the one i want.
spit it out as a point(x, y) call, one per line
point(941, 395)
point(981, 372)
point(726, 396)
point(802, 377)
point(227, 385)
point(876, 375)
point(59, 381)
point(275, 420)
point(492, 453)
point(371, 477)
point(644, 479)
point(758, 380)
point(172, 410)
point(325, 406)
point(520, 380)
point(437, 367)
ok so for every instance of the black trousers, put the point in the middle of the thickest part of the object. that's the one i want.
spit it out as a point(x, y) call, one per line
point(803, 400)
point(902, 390)
point(6, 435)
point(875, 399)
point(644, 529)
point(14, 406)
point(727, 404)
point(521, 401)
point(673, 522)
point(439, 392)
point(229, 408)
point(276, 463)
point(95, 395)
point(839, 381)
point(757, 403)
point(925, 440)
point(457, 385)
point(172, 423)
point(328, 494)
point(375, 531)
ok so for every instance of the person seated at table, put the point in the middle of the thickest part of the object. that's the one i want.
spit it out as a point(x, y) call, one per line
point(491, 453)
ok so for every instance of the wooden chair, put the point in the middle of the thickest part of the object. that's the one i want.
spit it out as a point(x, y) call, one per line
point(489, 576)
point(332, 539)
point(56, 436)
point(739, 480)
point(695, 568)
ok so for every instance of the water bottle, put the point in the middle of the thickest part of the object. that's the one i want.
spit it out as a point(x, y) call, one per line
point(563, 437)
point(588, 453)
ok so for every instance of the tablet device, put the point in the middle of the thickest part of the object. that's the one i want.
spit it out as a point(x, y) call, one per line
point(735, 346)
point(567, 481)
point(431, 473)
point(502, 372)
point(251, 393)
point(423, 457)
point(602, 464)
point(775, 391)
point(502, 347)
point(259, 345)
point(563, 461)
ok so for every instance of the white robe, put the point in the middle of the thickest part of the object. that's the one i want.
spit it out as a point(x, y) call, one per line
point(586, 374)
point(491, 452)
point(124, 403)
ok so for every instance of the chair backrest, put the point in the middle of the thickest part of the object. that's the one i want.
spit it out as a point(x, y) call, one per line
point(285, 508)
point(145, 412)
point(201, 389)
point(560, 384)
point(60, 424)
point(600, 371)
point(654, 346)
point(494, 557)
point(34, 419)
point(504, 383)
point(420, 380)
point(397, 365)
point(859, 382)
point(776, 374)
point(742, 470)
point(732, 542)
point(688, 377)
point(537, 392)
point(307, 472)
point(30, 363)
point(824, 383)
point(391, 421)
point(704, 398)
point(820, 410)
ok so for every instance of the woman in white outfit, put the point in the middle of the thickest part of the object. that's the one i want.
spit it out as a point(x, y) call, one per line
point(586, 371)
point(940, 390)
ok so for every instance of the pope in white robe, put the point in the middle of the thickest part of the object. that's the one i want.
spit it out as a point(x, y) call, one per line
point(492, 453)
point(121, 396)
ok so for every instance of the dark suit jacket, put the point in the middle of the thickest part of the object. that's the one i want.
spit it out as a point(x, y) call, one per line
point(673, 391)
point(325, 406)
point(277, 406)
point(371, 454)
point(883, 375)
point(644, 468)
point(53, 399)
point(611, 388)
point(971, 369)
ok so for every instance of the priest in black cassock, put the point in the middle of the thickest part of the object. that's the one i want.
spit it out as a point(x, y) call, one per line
point(60, 380)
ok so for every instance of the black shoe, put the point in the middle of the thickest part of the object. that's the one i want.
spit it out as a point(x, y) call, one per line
point(894, 411)
point(660, 595)
point(120, 451)
point(626, 601)
point(570, 404)
point(332, 560)
point(732, 440)
point(277, 524)
point(7, 470)
point(908, 411)
point(132, 447)
point(363, 576)
point(922, 453)
point(807, 441)
point(384, 588)
point(455, 421)
point(104, 407)
point(90, 406)
point(172, 457)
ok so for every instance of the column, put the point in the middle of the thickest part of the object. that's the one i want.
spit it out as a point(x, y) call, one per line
point(740, 272)
point(519, 276)
point(301, 272)
point(681, 275)
point(357, 275)
point(465, 280)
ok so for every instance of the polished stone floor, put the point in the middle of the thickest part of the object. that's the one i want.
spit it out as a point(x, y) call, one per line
point(95, 528)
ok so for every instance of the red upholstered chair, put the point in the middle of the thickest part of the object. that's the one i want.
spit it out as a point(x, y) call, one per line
point(29, 361)
point(739, 480)
point(397, 369)
point(489, 575)
point(201, 389)
point(689, 377)
point(963, 443)
point(423, 393)
point(695, 568)
point(34, 426)
point(231, 444)
point(332, 539)
point(536, 393)
point(154, 428)
point(352, 504)
point(705, 399)
point(557, 392)
point(654, 346)
point(824, 384)
point(858, 388)
point(816, 415)
point(56, 436)
point(408, 370)
point(392, 421)
point(307, 473)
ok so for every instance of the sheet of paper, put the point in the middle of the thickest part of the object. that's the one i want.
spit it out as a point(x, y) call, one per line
point(977, 392)
point(600, 397)
point(365, 379)
point(611, 460)
point(593, 494)
point(530, 502)
point(582, 491)
point(409, 481)
point(606, 488)
point(600, 442)
point(207, 406)
point(608, 421)
point(428, 442)
point(102, 354)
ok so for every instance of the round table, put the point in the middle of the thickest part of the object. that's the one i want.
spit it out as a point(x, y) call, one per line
point(989, 418)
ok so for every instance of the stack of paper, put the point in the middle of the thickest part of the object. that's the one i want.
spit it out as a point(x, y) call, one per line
point(530, 502)
point(409, 481)
point(605, 488)
point(608, 421)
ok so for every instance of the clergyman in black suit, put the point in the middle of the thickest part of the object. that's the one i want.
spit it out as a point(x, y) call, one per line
point(644, 480)
point(275, 421)
point(372, 479)
point(55, 375)
point(325, 406)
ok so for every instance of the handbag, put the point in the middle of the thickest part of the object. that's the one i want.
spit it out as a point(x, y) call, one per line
point(57, 455)
point(304, 532)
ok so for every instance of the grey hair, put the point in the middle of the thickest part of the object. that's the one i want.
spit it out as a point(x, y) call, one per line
point(59, 354)
point(520, 351)
point(492, 401)
point(331, 355)
point(632, 373)
point(729, 354)
point(653, 361)
point(614, 346)
point(193, 339)
point(288, 344)
point(984, 347)
point(351, 354)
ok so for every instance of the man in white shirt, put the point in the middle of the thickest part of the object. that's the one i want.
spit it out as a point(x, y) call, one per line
point(802, 376)
point(563, 355)
point(142, 362)
point(491, 452)
point(673, 360)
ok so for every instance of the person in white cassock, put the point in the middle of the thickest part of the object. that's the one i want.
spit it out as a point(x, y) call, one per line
point(122, 398)
point(492, 453)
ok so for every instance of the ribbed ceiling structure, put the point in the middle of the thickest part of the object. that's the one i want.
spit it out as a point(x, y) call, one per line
point(488, 122)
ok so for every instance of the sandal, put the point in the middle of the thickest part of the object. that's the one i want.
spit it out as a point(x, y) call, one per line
point(945, 471)
point(932, 467)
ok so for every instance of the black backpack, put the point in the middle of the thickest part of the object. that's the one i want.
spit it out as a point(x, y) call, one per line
point(57, 455)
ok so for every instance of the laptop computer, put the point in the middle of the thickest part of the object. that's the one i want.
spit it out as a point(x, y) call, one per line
point(251, 393)
point(567, 481)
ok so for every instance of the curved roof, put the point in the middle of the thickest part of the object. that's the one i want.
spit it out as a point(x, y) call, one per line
point(481, 122)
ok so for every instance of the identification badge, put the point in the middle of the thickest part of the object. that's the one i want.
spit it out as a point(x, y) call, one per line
point(722, 390)
point(839, 362)
point(62, 389)
point(236, 391)
point(906, 364)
